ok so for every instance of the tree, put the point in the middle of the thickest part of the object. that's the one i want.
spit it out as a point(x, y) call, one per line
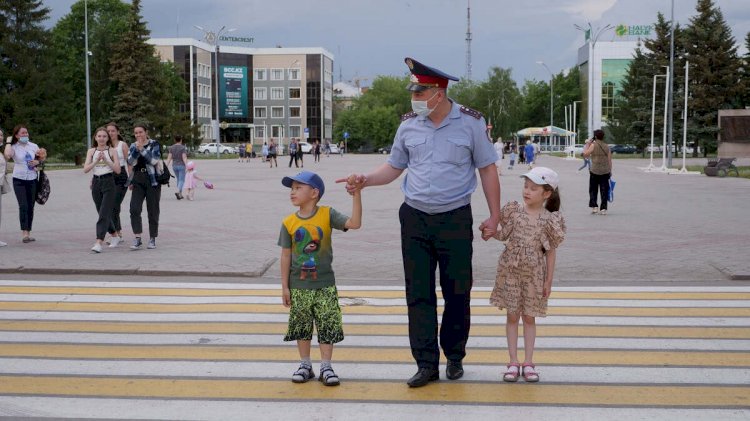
point(746, 73)
point(22, 54)
point(134, 70)
point(715, 81)
point(535, 107)
point(107, 22)
point(634, 107)
point(33, 92)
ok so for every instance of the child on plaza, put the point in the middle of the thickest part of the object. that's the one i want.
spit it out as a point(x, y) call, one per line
point(191, 175)
point(307, 280)
point(512, 157)
point(531, 232)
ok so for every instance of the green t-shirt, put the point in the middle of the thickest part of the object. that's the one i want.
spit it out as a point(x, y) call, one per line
point(310, 241)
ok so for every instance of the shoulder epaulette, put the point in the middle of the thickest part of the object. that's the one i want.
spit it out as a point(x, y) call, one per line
point(474, 113)
point(410, 114)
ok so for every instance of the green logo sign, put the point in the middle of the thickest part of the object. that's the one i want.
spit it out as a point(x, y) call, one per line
point(633, 30)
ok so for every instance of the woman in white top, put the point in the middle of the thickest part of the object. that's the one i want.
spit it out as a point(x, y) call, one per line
point(102, 158)
point(121, 180)
point(23, 153)
point(3, 167)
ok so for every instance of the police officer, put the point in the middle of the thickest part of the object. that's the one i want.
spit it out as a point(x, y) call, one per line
point(442, 144)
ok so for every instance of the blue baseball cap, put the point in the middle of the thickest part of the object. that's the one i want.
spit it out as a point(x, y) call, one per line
point(306, 177)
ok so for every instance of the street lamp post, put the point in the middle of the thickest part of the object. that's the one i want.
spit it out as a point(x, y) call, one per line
point(86, 54)
point(551, 94)
point(651, 166)
point(213, 39)
point(593, 38)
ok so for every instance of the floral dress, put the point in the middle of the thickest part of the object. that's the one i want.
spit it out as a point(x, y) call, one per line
point(522, 267)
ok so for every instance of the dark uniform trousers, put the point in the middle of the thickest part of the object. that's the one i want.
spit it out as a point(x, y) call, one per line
point(142, 189)
point(427, 242)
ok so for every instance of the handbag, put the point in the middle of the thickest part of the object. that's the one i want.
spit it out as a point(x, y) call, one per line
point(165, 175)
point(612, 184)
point(42, 188)
point(4, 185)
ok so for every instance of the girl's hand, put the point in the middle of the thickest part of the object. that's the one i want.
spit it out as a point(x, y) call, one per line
point(286, 297)
point(547, 289)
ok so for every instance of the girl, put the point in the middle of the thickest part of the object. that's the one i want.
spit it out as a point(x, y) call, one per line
point(120, 147)
point(23, 153)
point(272, 154)
point(103, 159)
point(532, 233)
point(144, 160)
point(190, 177)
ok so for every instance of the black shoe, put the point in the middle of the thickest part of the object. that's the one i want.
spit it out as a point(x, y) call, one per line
point(423, 376)
point(454, 370)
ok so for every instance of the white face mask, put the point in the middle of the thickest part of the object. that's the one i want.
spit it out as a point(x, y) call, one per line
point(421, 109)
point(23, 139)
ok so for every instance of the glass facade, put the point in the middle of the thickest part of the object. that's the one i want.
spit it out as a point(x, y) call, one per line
point(614, 72)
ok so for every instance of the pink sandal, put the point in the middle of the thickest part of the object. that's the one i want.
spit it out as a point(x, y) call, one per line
point(512, 372)
point(530, 374)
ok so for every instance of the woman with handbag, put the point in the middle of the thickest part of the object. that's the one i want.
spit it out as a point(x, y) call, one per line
point(599, 172)
point(145, 159)
point(4, 185)
point(23, 153)
point(103, 160)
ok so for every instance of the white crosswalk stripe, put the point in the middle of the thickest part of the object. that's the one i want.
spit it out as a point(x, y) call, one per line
point(216, 351)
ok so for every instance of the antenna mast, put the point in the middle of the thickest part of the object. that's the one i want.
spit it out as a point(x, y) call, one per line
point(468, 40)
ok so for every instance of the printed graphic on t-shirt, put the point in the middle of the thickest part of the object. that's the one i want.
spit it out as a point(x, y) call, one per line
point(307, 241)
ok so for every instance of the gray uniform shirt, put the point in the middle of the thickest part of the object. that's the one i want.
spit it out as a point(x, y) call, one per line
point(441, 161)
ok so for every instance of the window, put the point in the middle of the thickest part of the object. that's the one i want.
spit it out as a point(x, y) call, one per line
point(294, 74)
point(277, 93)
point(260, 132)
point(260, 93)
point(608, 102)
point(277, 112)
point(294, 131)
point(294, 111)
point(260, 74)
point(294, 93)
point(260, 112)
point(277, 74)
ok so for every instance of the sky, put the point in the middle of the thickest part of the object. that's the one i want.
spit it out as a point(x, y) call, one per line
point(371, 37)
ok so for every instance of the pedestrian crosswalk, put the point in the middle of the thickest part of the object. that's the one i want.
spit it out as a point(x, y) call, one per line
point(215, 351)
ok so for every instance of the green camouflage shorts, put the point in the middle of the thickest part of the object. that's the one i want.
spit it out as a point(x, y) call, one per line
point(318, 306)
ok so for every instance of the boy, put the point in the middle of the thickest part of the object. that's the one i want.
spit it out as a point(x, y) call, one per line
point(307, 281)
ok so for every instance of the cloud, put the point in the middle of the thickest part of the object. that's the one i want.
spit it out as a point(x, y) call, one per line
point(588, 10)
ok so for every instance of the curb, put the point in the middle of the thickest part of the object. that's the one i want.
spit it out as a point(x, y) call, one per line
point(733, 274)
point(141, 272)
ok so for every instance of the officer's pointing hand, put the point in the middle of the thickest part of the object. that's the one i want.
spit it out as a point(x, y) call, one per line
point(354, 182)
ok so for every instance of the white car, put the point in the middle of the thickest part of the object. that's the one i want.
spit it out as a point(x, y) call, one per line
point(577, 149)
point(306, 147)
point(209, 148)
point(334, 148)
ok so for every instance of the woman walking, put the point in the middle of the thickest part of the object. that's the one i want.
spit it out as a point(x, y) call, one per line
point(23, 153)
point(103, 160)
point(120, 147)
point(3, 180)
point(600, 171)
point(144, 157)
point(178, 158)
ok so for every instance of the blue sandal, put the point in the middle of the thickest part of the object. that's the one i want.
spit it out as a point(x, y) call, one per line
point(328, 377)
point(303, 374)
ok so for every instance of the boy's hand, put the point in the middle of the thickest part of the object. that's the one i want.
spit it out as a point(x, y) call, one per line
point(286, 297)
point(547, 289)
point(354, 182)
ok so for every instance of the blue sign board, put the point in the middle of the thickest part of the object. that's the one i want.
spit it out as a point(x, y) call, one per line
point(346, 135)
point(233, 96)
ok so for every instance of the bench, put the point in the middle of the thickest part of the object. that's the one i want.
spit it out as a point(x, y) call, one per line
point(721, 167)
